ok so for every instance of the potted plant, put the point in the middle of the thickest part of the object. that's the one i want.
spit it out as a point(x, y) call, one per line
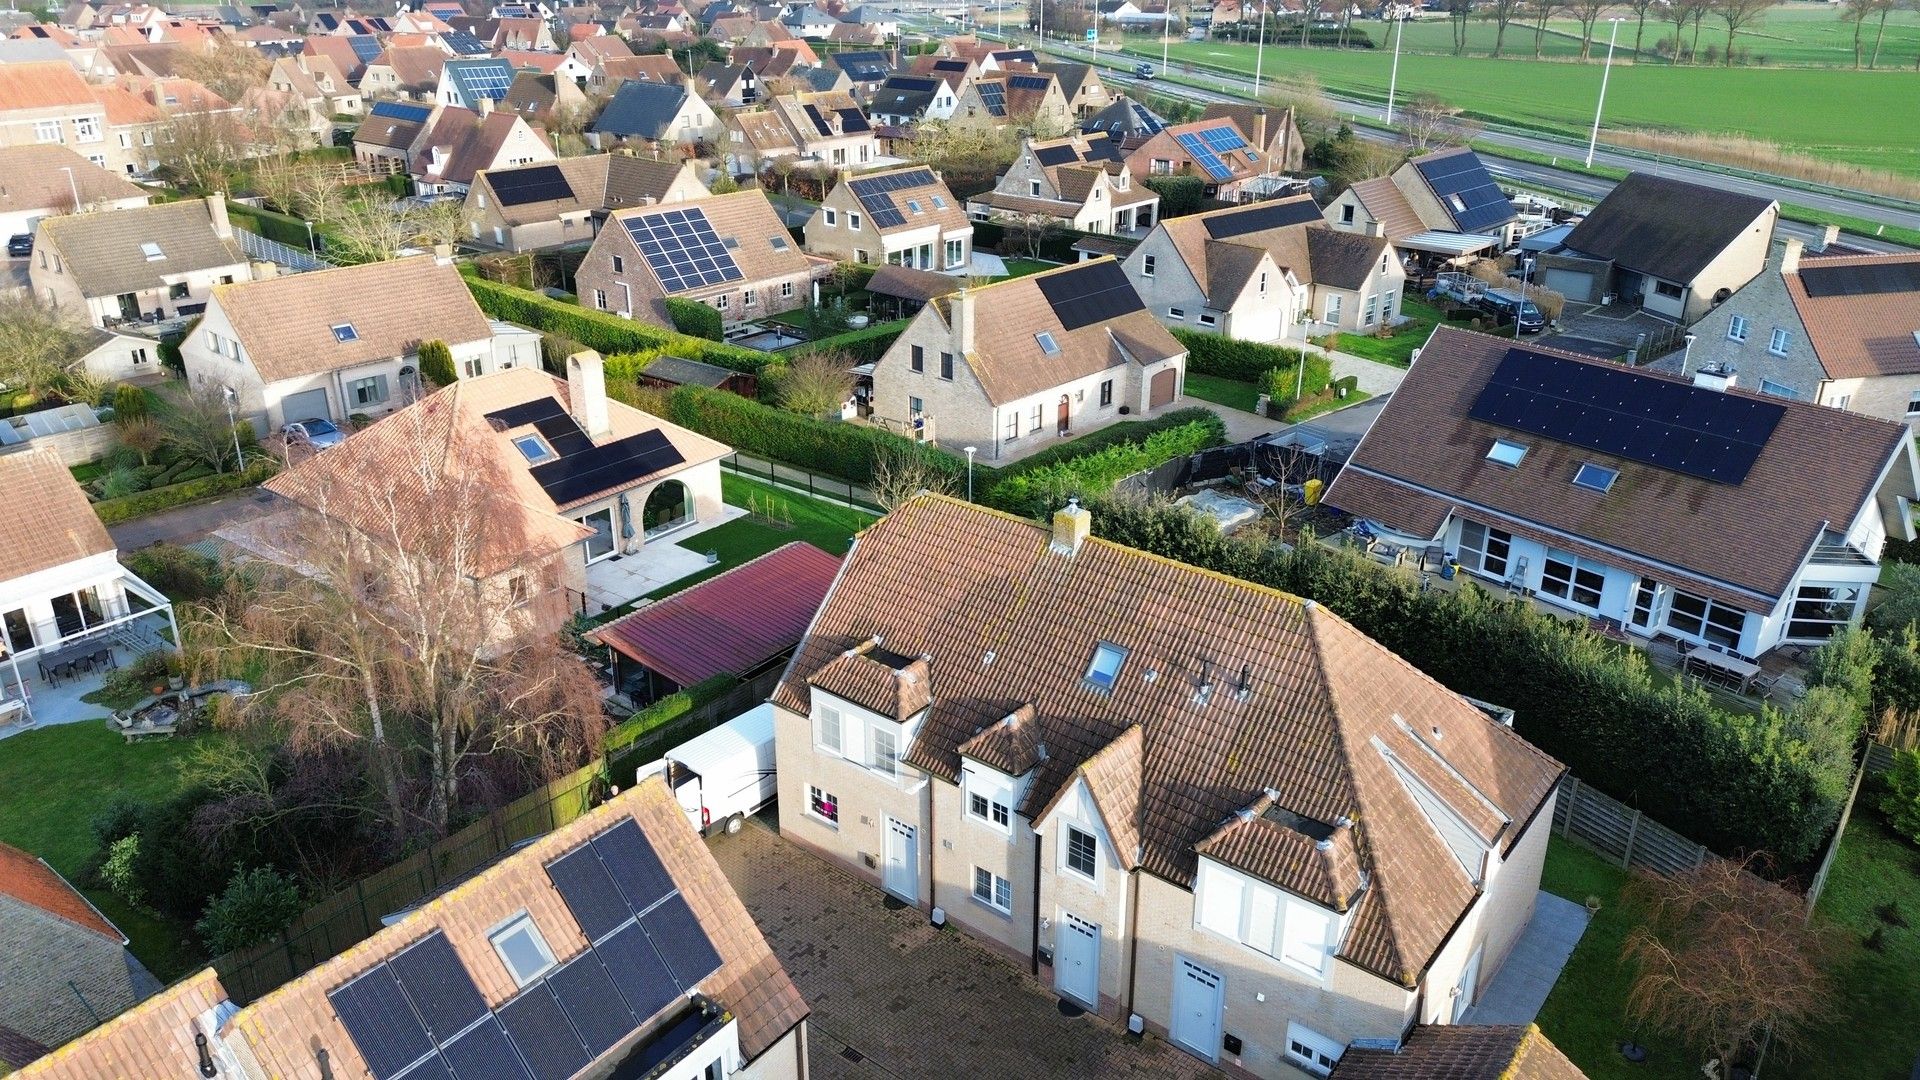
point(176, 673)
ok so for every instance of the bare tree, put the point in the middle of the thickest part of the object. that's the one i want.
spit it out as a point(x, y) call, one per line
point(1881, 9)
point(140, 434)
point(1031, 231)
point(1542, 10)
point(1722, 957)
point(1502, 13)
point(40, 347)
point(1588, 13)
point(1738, 15)
point(901, 472)
point(196, 423)
point(817, 383)
point(1458, 12)
point(227, 68)
point(201, 149)
point(1428, 123)
point(1640, 8)
point(1680, 13)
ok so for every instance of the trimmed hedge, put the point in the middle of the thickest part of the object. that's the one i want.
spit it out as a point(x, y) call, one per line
point(863, 346)
point(1278, 383)
point(844, 450)
point(663, 711)
point(1246, 361)
point(1124, 431)
point(1036, 491)
point(115, 511)
point(695, 319)
point(603, 332)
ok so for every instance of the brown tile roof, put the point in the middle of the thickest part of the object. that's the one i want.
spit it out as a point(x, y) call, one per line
point(418, 66)
point(1664, 226)
point(949, 213)
point(1011, 744)
point(892, 685)
point(599, 182)
point(763, 130)
point(48, 521)
point(286, 323)
point(104, 252)
point(1269, 842)
point(1388, 205)
point(1423, 447)
point(747, 217)
point(1324, 713)
point(388, 132)
point(1864, 335)
point(34, 180)
point(909, 283)
point(471, 142)
point(1313, 252)
point(42, 84)
point(150, 1041)
point(1342, 259)
point(1461, 1052)
point(652, 68)
point(29, 879)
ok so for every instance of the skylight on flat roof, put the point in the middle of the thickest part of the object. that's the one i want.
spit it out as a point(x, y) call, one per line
point(1047, 344)
point(344, 332)
point(152, 251)
point(533, 448)
point(1104, 670)
point(1506, 452)
point(1595, 477)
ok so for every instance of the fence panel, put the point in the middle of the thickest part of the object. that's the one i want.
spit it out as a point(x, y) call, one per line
point(1622, 833)
point(800, 481)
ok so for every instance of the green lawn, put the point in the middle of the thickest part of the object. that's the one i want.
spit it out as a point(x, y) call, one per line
point(1018, 267)
point(1232, 393)
point(1299, 415)
point(1585, 1016)
point(1398, 349)
point(53, 781)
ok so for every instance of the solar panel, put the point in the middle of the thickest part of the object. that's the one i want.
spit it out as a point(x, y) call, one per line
point(1463, 175)
point(1149, 122)
point(680, 940)
point(430, 1068)
point(994, 96)
point(542, 1033)
point(1203, 155)
point(635, 867)
point(482, 78)
point(819, 121)
point(589, 891)
point(682, 249)
point(400, 110)
point(586, 994)
point(365, 47)
point(537, 183)
point(1868, 280)
point(1670, 425)
point(876, 194)
point(1262, 216)
point(438, 984)
point(642, 978)
point(580, 475)
point(381, 1023)
point(484, 1053)
point(1028, 82)
point(1089, 294)
point(1056, 155)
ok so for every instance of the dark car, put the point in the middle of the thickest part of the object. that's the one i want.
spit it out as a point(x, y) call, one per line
point(20, 245)
point(1507, 307)
point(1143, 71)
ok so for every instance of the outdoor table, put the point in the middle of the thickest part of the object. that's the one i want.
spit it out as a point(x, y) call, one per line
point(1741, 671)
point(74, 653)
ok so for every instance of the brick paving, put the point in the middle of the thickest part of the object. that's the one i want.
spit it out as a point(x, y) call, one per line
point(907, 1000)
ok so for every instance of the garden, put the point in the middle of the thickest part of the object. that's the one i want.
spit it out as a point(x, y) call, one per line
point(1398, 345)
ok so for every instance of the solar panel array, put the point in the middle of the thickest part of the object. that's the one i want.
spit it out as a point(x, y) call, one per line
point(1463, 175)
point(1670, 425)
point(1148, 122)
point(1207, 145)
point(601, 468)
point(419, 1016)
point(482, 78)
point(1089, 294)
point(1028, 82)
point(1261, 217)
point(465, 44)
point(400, 110)
point(550, 419)
point(682, 249)
point(365, 47)
point(1873, 279)
point(538, 183)
point(994, 96)
point(1056, 155)
point(876, 194)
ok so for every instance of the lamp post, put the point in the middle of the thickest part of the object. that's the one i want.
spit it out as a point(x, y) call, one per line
point(1260, 50)
point(71, 186)
point(971, 450)
point(1166, 30)
point(311, 249)
point(1687, 355)
point(1593, 139)
point(233, 428)
point(1393, 80)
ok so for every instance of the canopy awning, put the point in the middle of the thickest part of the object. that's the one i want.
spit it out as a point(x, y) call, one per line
point(1447, 243)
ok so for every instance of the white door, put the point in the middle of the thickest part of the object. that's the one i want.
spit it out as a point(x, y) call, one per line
point(1076, 970)
point(1198, 995)
point(902, 875)
point(1469, 986)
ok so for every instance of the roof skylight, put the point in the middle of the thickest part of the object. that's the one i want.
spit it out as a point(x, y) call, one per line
point(533, 448)
point(1047, 344)
point(1506, 452)
point(344, 332)
point(152, 251)
point(1104, 670)
point(1595, 477)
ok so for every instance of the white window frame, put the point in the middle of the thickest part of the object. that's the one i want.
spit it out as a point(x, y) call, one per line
point(1318, 1046)
point(48, 131)
point(1737, 329)
point(1782, 390)
point(1067, 831)
point(998, 890)
point(1576, 566)
point(853, 221)
point(1177, 313)
point(830, 719)
point(830, 218)
point(521, 923)
point(1478, 541)
point(786, 290)
point(818, 796)
point(1334, 303)
point(891, 769)
point(1207, 318)
point(995, 810)
point(1507, 452)
point(1778, 341)
point(1146, 266)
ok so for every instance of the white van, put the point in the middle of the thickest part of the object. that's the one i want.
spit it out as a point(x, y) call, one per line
point(725, 775)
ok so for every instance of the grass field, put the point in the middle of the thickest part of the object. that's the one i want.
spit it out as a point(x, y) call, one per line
point(1232, 393)
point(1864, 118)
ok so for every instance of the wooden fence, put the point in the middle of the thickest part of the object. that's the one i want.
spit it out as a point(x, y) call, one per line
point(1622, 833)
point(1819, 882)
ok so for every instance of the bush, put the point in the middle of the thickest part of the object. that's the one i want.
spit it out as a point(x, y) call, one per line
point(1125, 431)
point(129, 402)
point(1179, 195)
point(609, 335)
point(122, 818)
point(255, 905)
point(1901, 800)
point(1247, 361)
point(847, 451)
point(181, 573)
point(115, 511)
point(117, 872)
point(436, 363)
point(694, 319)
point(1278, 383)
point(1036, 491)
point(860, 346)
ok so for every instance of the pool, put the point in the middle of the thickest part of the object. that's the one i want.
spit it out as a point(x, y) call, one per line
point(769, 339)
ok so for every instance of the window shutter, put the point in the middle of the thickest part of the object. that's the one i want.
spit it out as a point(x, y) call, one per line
point(379, 388)
point(1219, 902)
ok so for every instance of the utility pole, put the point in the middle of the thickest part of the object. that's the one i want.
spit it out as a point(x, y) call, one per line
point(1594, 139)
point(1393, 81)
point(1260, 50)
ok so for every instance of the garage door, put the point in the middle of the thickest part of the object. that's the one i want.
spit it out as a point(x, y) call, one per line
point(306, 405)
point(1160, 392)
point(1575, 285)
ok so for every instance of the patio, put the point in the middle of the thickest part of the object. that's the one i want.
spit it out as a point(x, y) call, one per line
point(50, 702)
point(1517, 991)
point(664, 560)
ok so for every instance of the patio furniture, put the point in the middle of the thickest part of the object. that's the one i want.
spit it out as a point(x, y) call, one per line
point(12, 711)
point(1387, 554)
point(1722, 667)
point(1433, 556)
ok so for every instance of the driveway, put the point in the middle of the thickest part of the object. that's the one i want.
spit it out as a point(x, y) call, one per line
point(893, 997)
point(1372, 376)
point(186, 524)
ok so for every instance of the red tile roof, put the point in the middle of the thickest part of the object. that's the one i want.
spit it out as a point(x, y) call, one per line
point(31, 881)
point(732, 623)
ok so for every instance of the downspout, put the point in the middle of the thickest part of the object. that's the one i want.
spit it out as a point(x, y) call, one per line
point(1033, 954)
point(1133, 931)
point(933, 883)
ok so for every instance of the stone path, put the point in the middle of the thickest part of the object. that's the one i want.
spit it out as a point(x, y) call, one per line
point(1372, 376)
point(1522, 984)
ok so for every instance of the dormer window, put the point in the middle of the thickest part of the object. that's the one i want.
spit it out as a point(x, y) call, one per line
point(1047, 344)
point(344, 332)
point(1506, 452)
point(1104, 670)
point(1595, 477)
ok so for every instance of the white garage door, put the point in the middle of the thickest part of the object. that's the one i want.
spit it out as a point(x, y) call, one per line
point(306, 405)
point(1575, 285)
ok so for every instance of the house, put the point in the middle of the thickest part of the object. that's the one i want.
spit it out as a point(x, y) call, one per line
point(1214, 150)
point(828, 128)
point(139, 263)
point(312, 345)
point(865, 68)
point(729, 251)
point(1127, 122)
point(1267, 271)
point(563, 202)
point(909, 99)
point(318, 82)
point(1080, 84)
point(611, 73)
point(1518, 462)
point(64, 964)
point(1079, 182)
point(47, 181)
point(61, 584)
point(587, 52)
point(808, 21)
point(904, 291)
point(882, 21)
point(1460, 1052)
point(904, 217)
point(1027, 101)
point(1840, 330)
point(465, 83)
point(520, 955)
point(389, 132)
point(1436, 208)
point(456, 143)
point(536, 97)
point(1021, 363)
point(654, 112)
point(728, 85)
point(1273, 132)
point(412, 72)
point(1165, 792)
point(1671, 247)
point(47, 102)
point(756, 137)
point(113, 356)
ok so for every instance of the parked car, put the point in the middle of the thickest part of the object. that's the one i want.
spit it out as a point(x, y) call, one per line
point(725, 775)
point(1507, 306)
point(314, 434)
point(1143, 71)
point(20, 245)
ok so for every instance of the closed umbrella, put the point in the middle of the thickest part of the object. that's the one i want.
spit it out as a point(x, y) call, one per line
point(626, 517)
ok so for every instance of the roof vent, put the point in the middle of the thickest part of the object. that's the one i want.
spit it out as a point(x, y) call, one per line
point(1437, 733)
point(1245, 687)
point(1715, 376)
point(1040, 751)
point(1323, 844)
point(987, 659)
point(1343, 822)
point(1152, 676)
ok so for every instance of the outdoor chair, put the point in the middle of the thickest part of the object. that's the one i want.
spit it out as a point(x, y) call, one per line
point(64, 670)
point(104, 658)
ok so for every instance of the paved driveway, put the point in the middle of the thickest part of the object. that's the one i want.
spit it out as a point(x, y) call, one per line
point(186, 524)
point(893, 997)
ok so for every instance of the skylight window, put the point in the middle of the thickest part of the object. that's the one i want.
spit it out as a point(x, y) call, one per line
point(1047, 344)
point(1506, 452)
point(534, 448)
point(1595, 477)
point(914, 205)
point(344, 332)
point(779, 242)
point(1459, 205)
point(939, 203)
point(1104, 671)
point(152, 251)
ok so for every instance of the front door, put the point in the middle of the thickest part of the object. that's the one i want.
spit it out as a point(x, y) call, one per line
point(600, 544)
point(1469, 986)
point(1076, 970)
point(1197, 997)
point(1646, 604)
point(1066, 417)
point(902, 874)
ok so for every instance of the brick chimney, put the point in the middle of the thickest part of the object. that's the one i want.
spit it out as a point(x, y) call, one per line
point(1829, 236)
point(1790, 258)
point(587, 392)
point(484, 107)
point(960, 316)
point(1071, 527)
point(1259, 132)
point(217, 212)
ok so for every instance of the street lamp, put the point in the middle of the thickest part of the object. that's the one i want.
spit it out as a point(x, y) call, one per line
point(1688, 354)
point(1260, 50)
point(1604, 72)
point(1393, 81)
point(233, 427)
point(73, 187)
point(311, 250)
point(1166, 31)
point(971, 450)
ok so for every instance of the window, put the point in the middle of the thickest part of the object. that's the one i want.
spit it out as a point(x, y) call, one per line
point(1387, 308)
point(1146, 266)
point(1841, 401)
point(1263, 284)
point(1768, 386)
point(177, 291)
point(1082, 848)
point(989, 807)
point(1033, 188)
point(1572, 579)
point(1485, 550)
point(916, 406)
point(939, 202)
point(1346, 213)
point(1506, 452)
point(522, 949)
point(1013, 425)
point(1596, 477)
point(1207, 318)
point(152, 251)
point(1033, 419)
point(619, 265)
point(1459, 205)
point(1820, 611)
point(886, 759)
point(1371, 311)
point(15, 629)
point(832, 218)
point(786, 290)
point(1777, 344)
point(1706, 620)
point(1311, 1050)
point(1737, 328)
point(1177, 313)
point(1104, 669)
point(749, 297)
point(533, 448)
point(853, 221)
point(720, 302)
point(1333, 309)
point(1669, 290)
point(1913, 401)
point(344, 332)
point(47, 131)
point(371, 391)
point(992, 890)
point(823, 805)
point(471, 366)
point(919, 360)
point(946, 366)
point(914, 205)
point(1106, 393)
point(1160, 167)
point(139, 356)
point(600, 299)
point(1047, 344)
point(828, 736)
point(955, 253)
point(517, 590)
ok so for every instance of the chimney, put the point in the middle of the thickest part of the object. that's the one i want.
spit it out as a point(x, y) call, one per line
point(960, 315)
point(1790, 258)
point(484, 107)
point(1829, 236)
point(1713, 376)
point(587, 392)
point(264, 270)
point(1376, 228)
point(217, 211)
point(1260, 129)
point(1071, 525)
point(443, 254)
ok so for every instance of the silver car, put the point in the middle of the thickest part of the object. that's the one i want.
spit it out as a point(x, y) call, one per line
point(314, 433)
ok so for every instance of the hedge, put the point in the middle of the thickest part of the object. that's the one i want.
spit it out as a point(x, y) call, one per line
point(1247, 361)
point(1036, 491)
point(863, 346)
point(837, 449)
point(1733, 781)
point(1125, 431)
point(278, 227)
point(695, 319)
point(1278, 382)
point(601, 331)
point(115, 511)
point(669, 708)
